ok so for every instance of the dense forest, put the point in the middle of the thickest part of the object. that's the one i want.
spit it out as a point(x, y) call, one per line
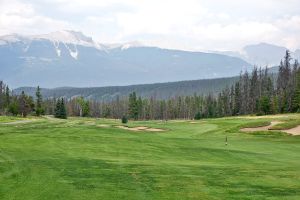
point(157, 90)
point(257, 92)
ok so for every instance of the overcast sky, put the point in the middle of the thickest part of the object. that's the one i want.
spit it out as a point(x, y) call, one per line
point(180, 24)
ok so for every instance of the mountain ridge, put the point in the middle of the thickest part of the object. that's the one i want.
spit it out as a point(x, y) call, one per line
point(158, 90)
point(261, 54)
point(80, 61)
point(165, 90)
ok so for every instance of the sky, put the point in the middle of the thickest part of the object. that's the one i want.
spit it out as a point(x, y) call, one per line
point(176, 24)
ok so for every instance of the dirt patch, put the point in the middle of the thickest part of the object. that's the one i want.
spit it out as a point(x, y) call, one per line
point(103, 125)
point(140, 128)
point(293, 131)
point(154, 129)
point(262, 128)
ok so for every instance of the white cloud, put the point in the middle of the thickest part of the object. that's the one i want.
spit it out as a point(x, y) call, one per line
point(183, 24)
point(17, 17)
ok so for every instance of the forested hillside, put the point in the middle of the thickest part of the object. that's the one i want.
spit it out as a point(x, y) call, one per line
point(256, 92)
point(158, 90)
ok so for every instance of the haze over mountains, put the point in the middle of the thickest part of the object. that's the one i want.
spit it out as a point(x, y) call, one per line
point(68, 58)
point(262, 54)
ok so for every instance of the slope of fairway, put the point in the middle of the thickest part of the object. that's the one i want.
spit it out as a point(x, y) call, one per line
point(94, 159)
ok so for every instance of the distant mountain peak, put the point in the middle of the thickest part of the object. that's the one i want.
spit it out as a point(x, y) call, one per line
point(64, 36)
point(265, 45)
point(131, 44)
point(68, 37)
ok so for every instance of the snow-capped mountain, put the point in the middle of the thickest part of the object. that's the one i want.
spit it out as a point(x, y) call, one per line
point(70, 40)
point(123, 46)
point(69, 58)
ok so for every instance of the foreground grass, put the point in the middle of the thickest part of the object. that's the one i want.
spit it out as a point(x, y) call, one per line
point(5, 119)
point(92, 159)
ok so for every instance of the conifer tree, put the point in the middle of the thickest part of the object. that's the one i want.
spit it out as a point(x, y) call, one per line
point(39, 100)
point(14, 106)
point(265, 104)
point(25, 104)
point(133, 106)
point(124, 120)
point(197, 116)
point(63, 111)
point(7, 97)
point(296, 97)
point(237, 99)
point(57, 109)
point(60, 109)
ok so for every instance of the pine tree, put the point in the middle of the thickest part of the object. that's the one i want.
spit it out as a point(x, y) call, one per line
point(274, 105)
point(197, 116)
point(7, 97)
point(133, 106)
point(139, 105)
point(124, 120)
point(296, 96)
point(57, 109)
point(39, 100)
point(63, 111)
point(284, 89)
point(60, 109)
point(237, 99)
point(25, 104)
point(265, 104)
point(254, 91)
point(14, 106)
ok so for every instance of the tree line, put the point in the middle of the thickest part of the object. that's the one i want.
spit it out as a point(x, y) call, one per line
point(258, 92)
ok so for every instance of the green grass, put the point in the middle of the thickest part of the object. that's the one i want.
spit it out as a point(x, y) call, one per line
point(82, 159)
point(256, 124)
point(4, 119)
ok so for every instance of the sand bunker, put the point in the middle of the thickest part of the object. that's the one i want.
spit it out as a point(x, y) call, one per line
point(140, 128)
point(262, 128)
point(293, 131)
point(103, 125)
point(154, 129)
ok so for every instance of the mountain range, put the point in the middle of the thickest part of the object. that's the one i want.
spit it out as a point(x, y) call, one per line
point(262, 54)
point(69, 58)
